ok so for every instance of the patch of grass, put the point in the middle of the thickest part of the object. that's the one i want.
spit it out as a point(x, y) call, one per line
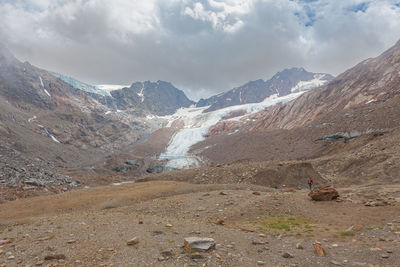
point(275, 225)
point(347, 233)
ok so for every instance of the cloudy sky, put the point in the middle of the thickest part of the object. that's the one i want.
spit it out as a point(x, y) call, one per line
point(201, 46)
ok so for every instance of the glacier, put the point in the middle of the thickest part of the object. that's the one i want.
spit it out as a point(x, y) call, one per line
point(197, 124)
point(81, 85)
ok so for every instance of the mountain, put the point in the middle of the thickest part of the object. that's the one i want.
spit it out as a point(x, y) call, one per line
point(159, 98)
point(281, 84)
point(370, 85)
point(39, 111)
point(350, 125)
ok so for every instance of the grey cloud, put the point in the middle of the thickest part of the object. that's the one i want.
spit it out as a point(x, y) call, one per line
point(203, 47)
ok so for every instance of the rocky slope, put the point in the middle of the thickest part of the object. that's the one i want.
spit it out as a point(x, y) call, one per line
point(371, 83)
point(283, 83)
point(159, 98)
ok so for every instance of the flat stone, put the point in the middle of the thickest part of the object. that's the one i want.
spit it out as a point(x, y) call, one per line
point(198, 244)
point(260, 263)
point(336, 263)
point(299, 246)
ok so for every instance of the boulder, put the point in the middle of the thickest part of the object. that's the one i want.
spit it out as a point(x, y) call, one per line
point(319, 249)
point(193, 244)
point(324, 194)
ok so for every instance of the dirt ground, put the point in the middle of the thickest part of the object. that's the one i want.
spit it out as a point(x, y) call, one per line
point(91, 227)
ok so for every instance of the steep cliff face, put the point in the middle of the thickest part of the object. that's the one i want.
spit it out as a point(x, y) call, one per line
point(281, 84)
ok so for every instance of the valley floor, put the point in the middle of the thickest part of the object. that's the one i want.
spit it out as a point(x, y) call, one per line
point(91, 227)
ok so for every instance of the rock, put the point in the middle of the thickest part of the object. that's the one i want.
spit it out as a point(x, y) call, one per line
point(39, 263)
point(324, 194)
point(54, 257)
point(287, 255)
point(11, 257)
point(220, 222)
point(299, 246)
point(222, 193)
point(335, 263)
point(385, 256)
point(161, 258)
point(256, 193)
point(140, 222)
point(72, 241)
point(167, 253)
point(196, 255)
point(319, 249)
point(198, 244)
point(133, 241)
point(375, 249)
point(259, 242)
point(289, 190)
point(4, 241)
point(260, 263)
point(168, 225)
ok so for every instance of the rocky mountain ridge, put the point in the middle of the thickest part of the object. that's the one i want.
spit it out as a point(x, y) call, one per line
point(281, 84)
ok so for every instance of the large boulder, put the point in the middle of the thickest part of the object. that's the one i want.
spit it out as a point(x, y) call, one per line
point(324, 194)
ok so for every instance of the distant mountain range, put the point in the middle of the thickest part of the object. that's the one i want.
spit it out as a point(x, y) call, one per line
point(283, 83)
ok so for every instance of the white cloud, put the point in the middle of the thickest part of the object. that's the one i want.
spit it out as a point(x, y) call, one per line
point(196, 44)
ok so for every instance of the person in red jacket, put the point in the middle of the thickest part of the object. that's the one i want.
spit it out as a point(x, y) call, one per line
point(310, 182)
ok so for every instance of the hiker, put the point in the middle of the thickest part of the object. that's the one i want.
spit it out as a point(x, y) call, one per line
point(310, 182)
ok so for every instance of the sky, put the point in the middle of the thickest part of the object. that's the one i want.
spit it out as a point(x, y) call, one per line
point(203, 47)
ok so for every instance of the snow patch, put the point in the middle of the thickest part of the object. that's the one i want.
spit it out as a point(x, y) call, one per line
point(44, 89)
point(197, 124)
point(111, 87)
point(54, 139)
point(307, 85)
point(31, 119)
point(140, 94)
point(47, 92)
point(122, 183)
point(108, 112)
point(41, 81)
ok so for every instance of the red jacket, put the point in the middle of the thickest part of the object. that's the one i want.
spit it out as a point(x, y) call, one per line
point(310, 181)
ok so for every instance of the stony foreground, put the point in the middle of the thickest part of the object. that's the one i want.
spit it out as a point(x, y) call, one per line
point(145, 224)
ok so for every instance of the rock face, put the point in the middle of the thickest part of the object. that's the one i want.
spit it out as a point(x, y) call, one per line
point(193, 244)
point(324, 194)
point(283, 83)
